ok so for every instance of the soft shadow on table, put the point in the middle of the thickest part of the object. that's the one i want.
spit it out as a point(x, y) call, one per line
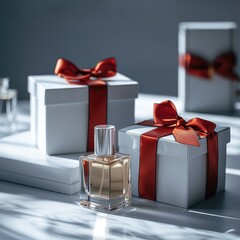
point(25, 216)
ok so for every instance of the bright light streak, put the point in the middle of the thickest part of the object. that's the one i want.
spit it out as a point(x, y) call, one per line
point(100, 227)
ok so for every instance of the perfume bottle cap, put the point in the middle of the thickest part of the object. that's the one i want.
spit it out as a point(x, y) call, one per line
point(104, 140)
point(4, 84)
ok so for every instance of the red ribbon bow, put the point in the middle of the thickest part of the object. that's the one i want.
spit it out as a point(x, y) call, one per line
point(75, 75)
point(198, 66)
point(169, 122)
point(97, 89)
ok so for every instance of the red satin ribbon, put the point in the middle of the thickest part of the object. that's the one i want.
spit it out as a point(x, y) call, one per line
point(97, 113)
point(223, 65)
point(169, 122)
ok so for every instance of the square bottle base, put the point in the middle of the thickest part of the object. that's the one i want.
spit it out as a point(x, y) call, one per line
point(104, 205)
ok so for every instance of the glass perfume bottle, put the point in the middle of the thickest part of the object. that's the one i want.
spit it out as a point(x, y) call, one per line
point(8, 105)
point(106, 174)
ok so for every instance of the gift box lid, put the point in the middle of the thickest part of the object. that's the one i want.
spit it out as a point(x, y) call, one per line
point(129, 137)
point(207, 25)
point(52, 89)
point(19, 156)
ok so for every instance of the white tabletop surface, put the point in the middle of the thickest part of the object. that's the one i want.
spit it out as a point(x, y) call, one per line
point(31, 213)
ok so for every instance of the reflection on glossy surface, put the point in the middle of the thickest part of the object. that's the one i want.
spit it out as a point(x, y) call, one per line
point(100, 226)
point(50, 215)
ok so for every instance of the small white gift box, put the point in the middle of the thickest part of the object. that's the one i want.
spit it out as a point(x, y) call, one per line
point(59, 111)
point(207, 40)
point(180, 169)
point(23, 163)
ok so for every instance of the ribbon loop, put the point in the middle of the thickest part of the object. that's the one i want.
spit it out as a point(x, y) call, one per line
point(66, 69)
point(165, 113)
point(202, 127)
point(105, 68)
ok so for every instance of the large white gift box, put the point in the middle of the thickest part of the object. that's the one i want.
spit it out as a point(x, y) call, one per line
point(23, 163)
point(207, 40)
point(59, 111)
point(180, 169)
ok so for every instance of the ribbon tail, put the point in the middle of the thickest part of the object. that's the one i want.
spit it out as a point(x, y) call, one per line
point(148, 162)
point(186, 136)
point(147, 171)
point(97, 110)
point(212, 165)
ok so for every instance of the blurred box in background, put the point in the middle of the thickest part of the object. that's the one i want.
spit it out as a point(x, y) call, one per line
point(207, 40)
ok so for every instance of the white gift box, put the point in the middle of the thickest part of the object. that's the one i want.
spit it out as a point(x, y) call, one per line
point(59, 111)
point(23, 163)
point(207, 40)
point(181, 169)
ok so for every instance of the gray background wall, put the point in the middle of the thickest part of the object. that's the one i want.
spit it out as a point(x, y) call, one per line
point(141, 34)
